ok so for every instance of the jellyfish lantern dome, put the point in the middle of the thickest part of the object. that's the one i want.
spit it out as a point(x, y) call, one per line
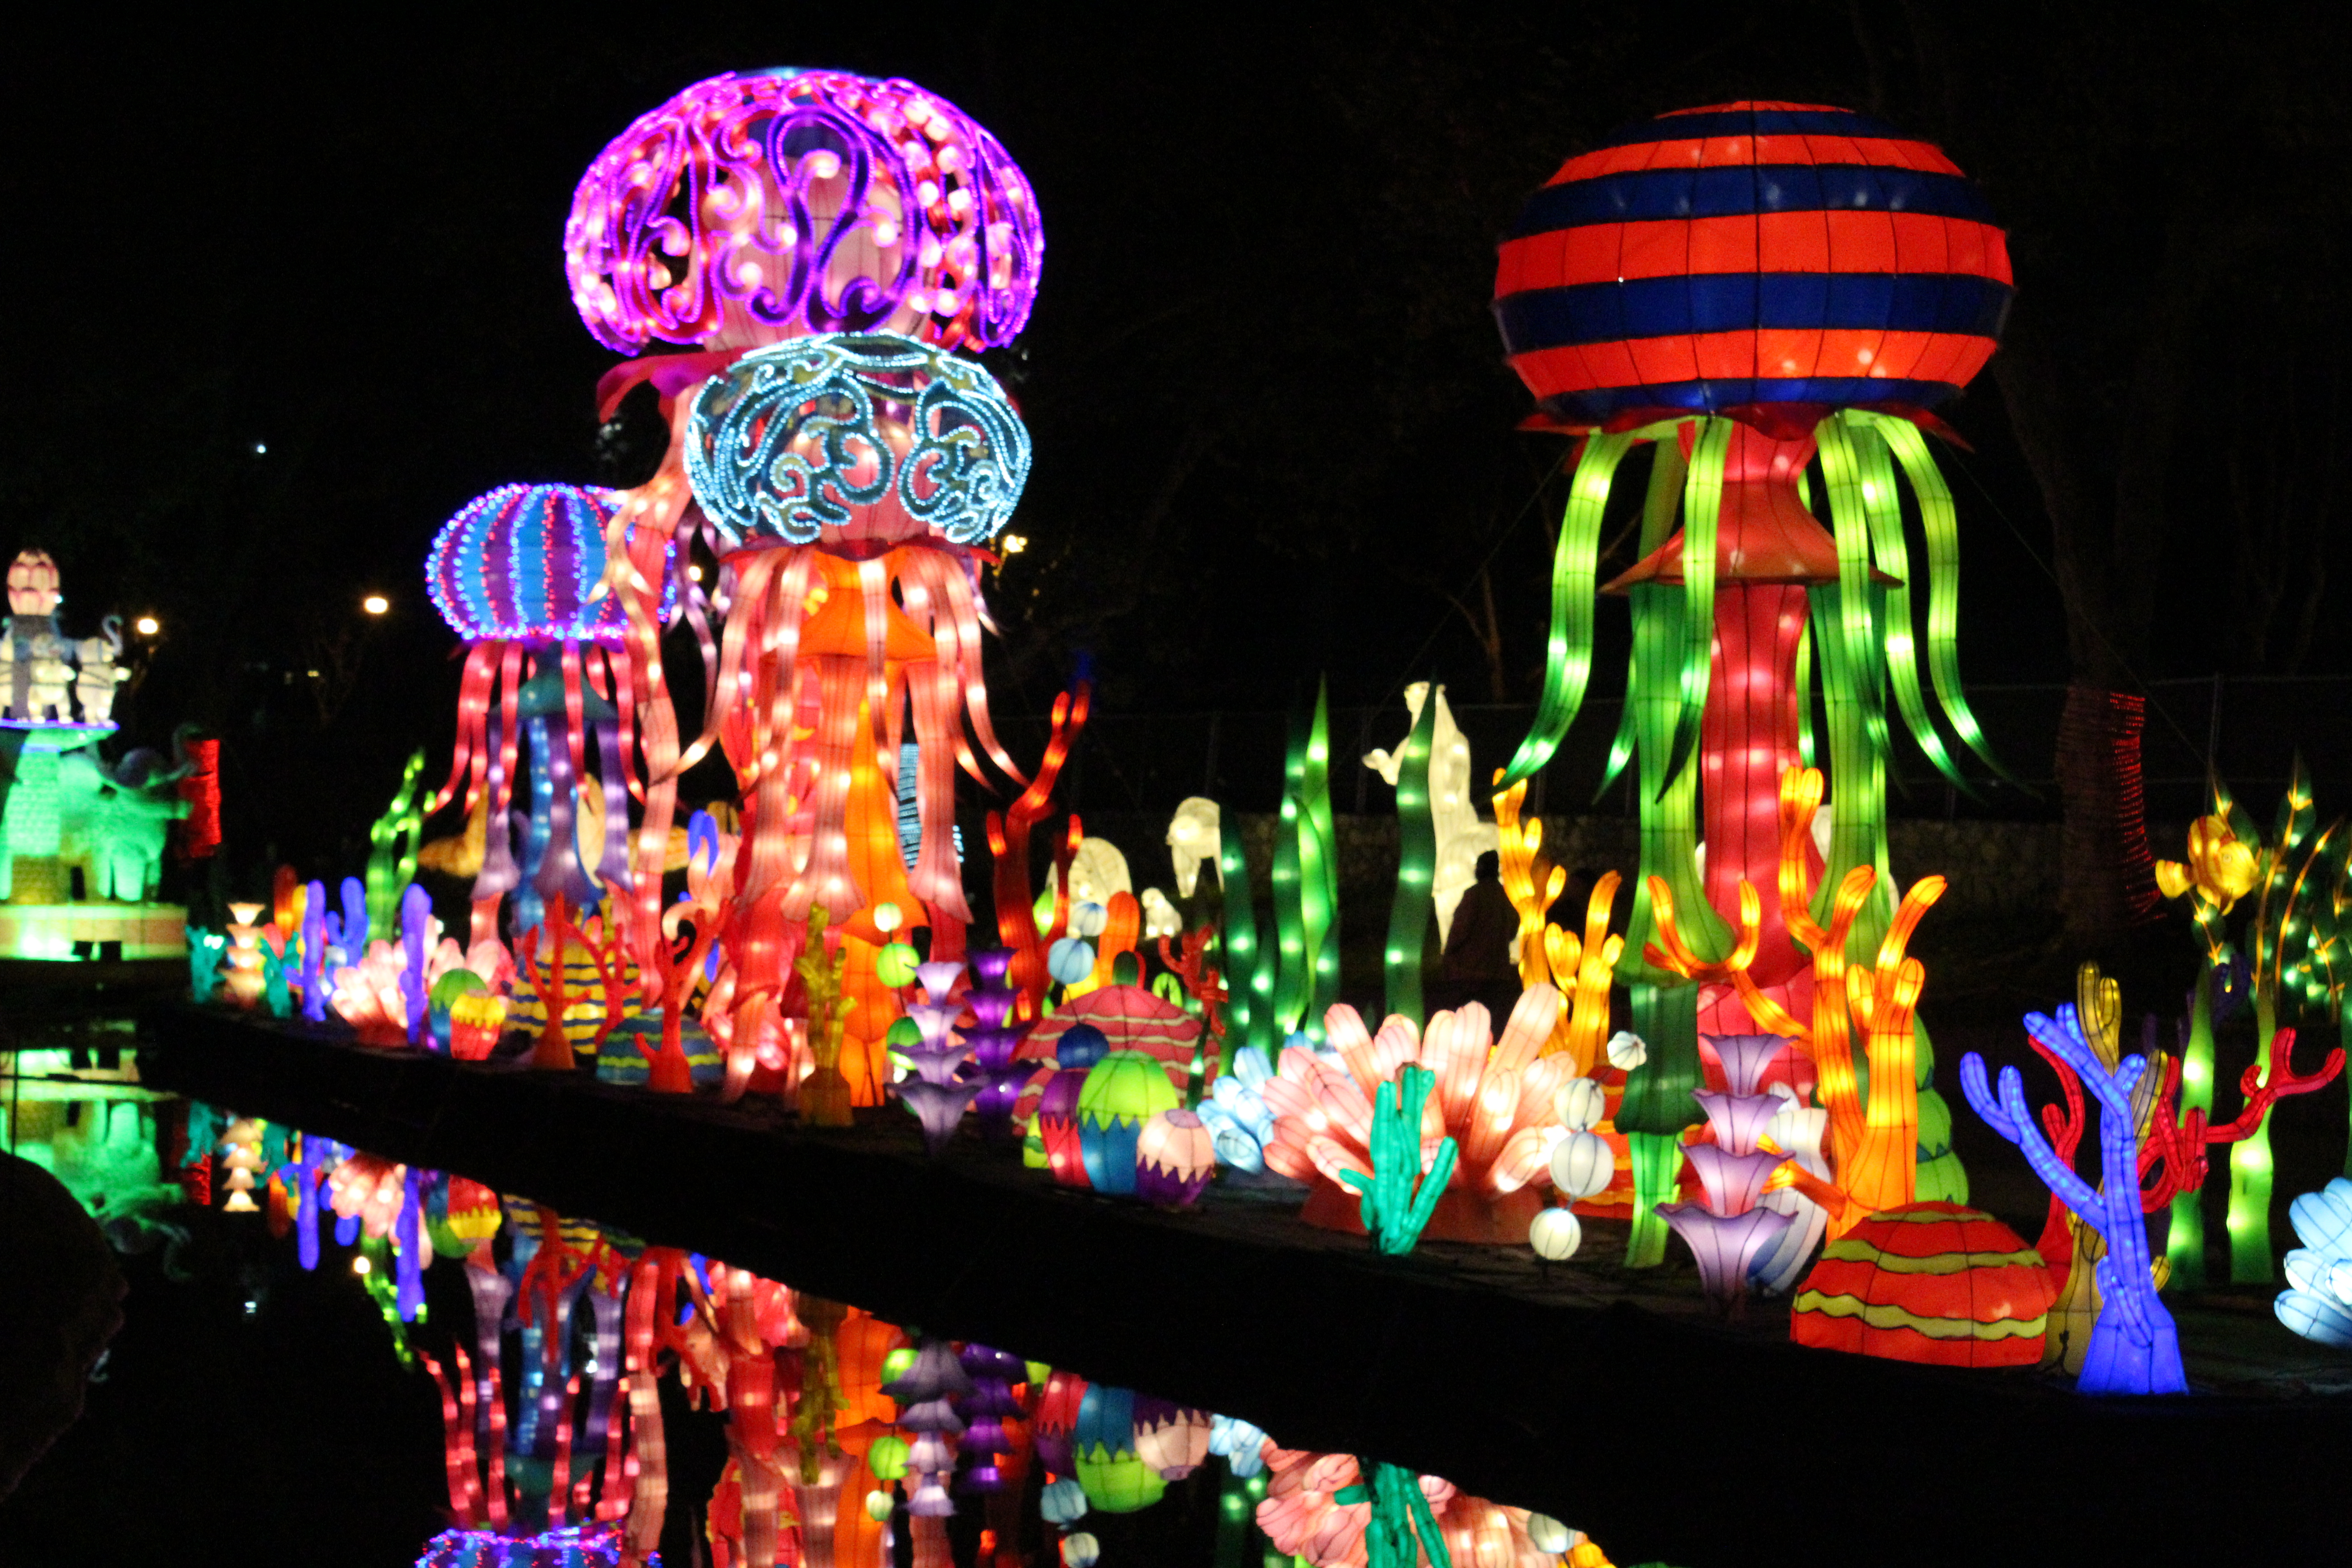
point(853, 478)
point(759, 208)
point(516, 574)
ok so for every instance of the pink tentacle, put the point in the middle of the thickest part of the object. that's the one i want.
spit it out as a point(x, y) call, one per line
point(469, 760)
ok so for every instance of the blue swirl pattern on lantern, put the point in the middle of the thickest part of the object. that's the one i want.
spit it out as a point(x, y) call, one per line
point(855, 437)
point(521, 562)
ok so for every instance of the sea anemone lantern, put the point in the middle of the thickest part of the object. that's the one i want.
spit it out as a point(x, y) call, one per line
point(1772, 298)
point(515, 574)
point(758, 208)
point(854, 479)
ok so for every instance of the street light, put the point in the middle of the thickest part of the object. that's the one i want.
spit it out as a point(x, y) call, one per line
point(146, 625)
point(375, 603)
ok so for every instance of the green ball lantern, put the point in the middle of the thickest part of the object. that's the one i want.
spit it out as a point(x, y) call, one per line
point(888, 1456)
point(1122, 1091)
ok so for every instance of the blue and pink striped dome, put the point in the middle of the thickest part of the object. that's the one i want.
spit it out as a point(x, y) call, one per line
point(519, 564)
point(1751, 254)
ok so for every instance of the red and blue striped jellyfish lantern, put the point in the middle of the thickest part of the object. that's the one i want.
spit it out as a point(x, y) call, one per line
point(515, 574)
point(856, 479)
point(1748, 287)
point(758, 208)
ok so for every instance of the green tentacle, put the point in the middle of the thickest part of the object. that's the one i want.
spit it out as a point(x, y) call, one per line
point(1567, 656)
point(1702, 510)
point(1943, 538)
point(1882, 507)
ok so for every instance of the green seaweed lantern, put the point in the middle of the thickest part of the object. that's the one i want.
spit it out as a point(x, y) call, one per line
point(393, 842)
point(1409, 916)
point(2290, 952)
point(1306, 880)
point(1395, 1208)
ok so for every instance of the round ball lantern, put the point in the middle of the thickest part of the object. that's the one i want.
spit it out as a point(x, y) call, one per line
point(1174, 1158)
point(763, 204)
point(1927, 1283)
point(855, 440)
point(1122, 1091)
point(1751, 254)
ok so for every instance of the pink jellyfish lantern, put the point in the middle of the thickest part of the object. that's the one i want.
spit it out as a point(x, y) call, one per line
point(515, 573)
point(757, 208)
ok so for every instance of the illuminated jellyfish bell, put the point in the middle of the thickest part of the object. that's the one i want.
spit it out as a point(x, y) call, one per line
point(853, 478)
point(761, 205)
point(514, 572)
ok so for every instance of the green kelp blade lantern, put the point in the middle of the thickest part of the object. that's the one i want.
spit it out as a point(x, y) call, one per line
point(1409, 914)
point(1305, 881)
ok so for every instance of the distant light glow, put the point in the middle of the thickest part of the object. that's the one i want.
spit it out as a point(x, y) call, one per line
point(147, 626)
point(375, 603)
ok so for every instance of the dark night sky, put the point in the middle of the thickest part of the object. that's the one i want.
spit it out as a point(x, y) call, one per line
point(1273, 428)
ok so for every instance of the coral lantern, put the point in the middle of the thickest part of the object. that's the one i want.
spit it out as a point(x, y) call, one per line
point(1746, 287)
point(1928, 1282)
point(852, 480)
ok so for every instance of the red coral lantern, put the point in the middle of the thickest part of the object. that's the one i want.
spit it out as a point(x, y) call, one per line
point(1927, 1283)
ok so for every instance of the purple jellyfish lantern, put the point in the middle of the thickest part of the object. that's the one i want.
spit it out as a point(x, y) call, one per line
point(762, 206)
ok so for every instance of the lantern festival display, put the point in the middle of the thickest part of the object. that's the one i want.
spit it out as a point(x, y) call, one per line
point(853, 478)
point(82, 840)
point(1743, 289)
point(547, 706)
point(750, 210)
point(1929, 1282)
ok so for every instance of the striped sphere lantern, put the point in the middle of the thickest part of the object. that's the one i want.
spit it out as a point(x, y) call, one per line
point(1927, 1283)
point(1751, 254)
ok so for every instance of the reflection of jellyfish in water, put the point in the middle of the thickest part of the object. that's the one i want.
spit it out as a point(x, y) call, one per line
point(749, 210)
point(513, 574)
point(854, 480)
point(1746, 288)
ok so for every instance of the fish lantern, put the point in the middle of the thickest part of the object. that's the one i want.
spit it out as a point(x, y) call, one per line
point(1077, 1052)
point(1122, 1091)
point(852, 480)
point(515, 574)
point(1741, 288)
point(1102, 1452)
point(1063, 1398)
point(1927, 1283)
point(757, 208)
point(1174, 1158)
point(1174, 1442)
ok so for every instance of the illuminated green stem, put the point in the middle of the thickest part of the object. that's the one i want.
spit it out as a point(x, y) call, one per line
point(1290, 978)
point(1410, 915)
point(2250, 1169)
point(1249, 982)
point(393, 841)
point(1657, 1161)
point(2184, 1247)
point(1318, 869)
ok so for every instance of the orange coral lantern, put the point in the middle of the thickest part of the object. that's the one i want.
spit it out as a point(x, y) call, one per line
point(1927, 1283)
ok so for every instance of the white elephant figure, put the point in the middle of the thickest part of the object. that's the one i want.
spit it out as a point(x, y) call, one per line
point(1096, 871)
point(1194, 837)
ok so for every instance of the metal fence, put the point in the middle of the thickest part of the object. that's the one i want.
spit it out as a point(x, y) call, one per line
point(2248, 729)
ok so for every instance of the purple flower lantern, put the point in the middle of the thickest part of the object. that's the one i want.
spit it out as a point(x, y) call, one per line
point(1728, 1234)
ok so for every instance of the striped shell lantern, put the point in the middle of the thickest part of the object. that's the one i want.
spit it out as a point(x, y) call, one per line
point(1927, 1283)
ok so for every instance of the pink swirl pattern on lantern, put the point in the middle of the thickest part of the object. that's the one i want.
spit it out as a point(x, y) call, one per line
point(755, 207)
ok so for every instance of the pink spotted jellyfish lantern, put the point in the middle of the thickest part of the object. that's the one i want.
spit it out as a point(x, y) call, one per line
point(758, 208)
